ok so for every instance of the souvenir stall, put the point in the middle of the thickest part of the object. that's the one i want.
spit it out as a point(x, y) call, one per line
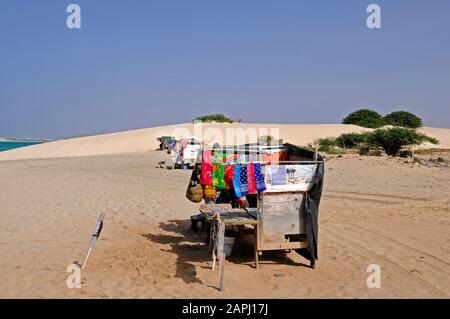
point(184, 153)
point(176, 154)
point(275, 189)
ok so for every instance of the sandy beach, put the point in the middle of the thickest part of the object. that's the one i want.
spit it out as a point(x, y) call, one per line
point(375, 210)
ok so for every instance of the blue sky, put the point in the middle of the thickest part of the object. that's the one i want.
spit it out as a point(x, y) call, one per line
point(137, 64)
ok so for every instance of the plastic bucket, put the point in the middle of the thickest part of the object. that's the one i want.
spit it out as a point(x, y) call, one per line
point(228, 245)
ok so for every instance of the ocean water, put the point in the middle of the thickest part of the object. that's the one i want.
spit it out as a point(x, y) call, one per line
point(4, 146)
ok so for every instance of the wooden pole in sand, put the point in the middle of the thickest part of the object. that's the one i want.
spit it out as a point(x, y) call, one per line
point(221, 254)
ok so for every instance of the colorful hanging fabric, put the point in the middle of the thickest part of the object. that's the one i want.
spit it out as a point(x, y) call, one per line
point(218, 176)
point(244, 179)
point(207, 168)
point(259, 178)
point(218, 157)
point(231, 158)
point(253, 157)
point(215, 175)
point(251, 179)
point(275, 157)
point(237, 180)
point(229, 176)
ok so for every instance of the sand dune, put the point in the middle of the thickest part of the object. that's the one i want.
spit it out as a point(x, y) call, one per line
point(145, 139)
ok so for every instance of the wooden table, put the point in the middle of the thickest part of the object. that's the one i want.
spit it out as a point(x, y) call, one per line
point(220, 217)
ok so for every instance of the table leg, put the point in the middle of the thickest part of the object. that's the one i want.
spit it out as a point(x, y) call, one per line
point(208, 233)
point(256, 247)
point(221, 255)
point(213, 245)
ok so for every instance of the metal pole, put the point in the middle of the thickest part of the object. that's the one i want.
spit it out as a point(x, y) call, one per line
point(87, 256)
point(95, 236)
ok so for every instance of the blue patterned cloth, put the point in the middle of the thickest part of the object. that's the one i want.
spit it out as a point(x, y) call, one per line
point(240, 181)
point(237, 180)
point(244, 179)
point(259, 178)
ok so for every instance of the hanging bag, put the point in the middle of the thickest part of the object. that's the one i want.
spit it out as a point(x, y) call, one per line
point(194, 190)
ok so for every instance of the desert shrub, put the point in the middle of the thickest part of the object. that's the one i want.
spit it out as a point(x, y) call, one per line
point(213, 118)
point(266, 139)
point(351, 140)
point(364, 118)
point(392, 140)
point(403, 118)
point(326, 144)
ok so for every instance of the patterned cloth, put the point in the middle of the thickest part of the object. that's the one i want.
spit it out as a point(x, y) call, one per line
point(229, 176)
point(275, 157)
point(232, 158)
point(207, 169)
point(218, 176)
point(244, 179)
point(237, 180)
point(240, 175)
point(259, 178)
point(251, 179)
point(219, 157)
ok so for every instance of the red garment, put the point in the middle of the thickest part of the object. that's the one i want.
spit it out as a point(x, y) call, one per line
point(251, 179)
point(229, 176)
point(275, 157)
point(207, 168)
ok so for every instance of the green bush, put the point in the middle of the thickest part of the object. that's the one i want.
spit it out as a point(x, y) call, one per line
point(213, 118)
point(326, 144)
point(266, 139)
point(351, 140)
point(364, 118)
point(392, 140)
point(403, 118)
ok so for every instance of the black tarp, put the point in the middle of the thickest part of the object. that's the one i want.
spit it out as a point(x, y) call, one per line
point(311, 201)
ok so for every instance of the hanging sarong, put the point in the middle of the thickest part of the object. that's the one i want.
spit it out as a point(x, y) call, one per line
point(251, 179)
point(244, 179)
point(237, 180)
point(274, 158)
point(229, 176)
point(218, 176)
point(219, 157)
point(207, 169)
point(259, 178)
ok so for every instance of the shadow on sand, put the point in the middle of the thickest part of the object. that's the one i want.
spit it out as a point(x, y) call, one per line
point(191, 250)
